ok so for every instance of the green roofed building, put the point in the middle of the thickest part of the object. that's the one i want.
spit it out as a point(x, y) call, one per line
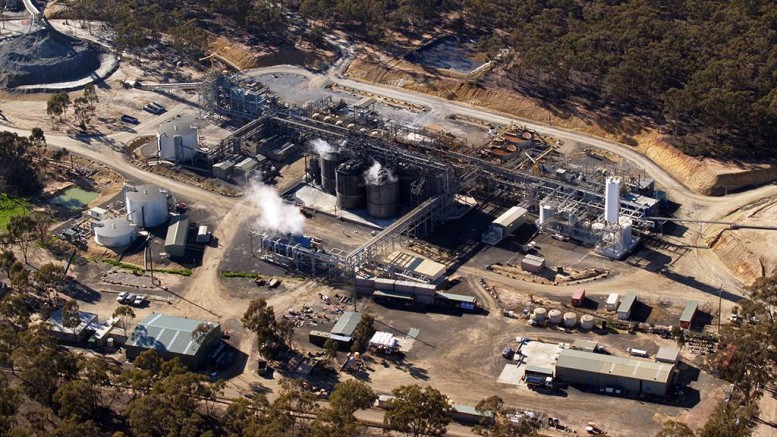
point(170, 337)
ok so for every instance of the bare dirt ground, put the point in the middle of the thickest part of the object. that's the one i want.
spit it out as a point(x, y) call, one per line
point(495, 92)
point(749, 253)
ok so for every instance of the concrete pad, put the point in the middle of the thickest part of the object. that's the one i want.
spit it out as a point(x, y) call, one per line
point(320, 201)
point(510, 375)
point(541, 354)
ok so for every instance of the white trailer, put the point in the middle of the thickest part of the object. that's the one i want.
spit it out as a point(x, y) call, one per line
point(203, 236)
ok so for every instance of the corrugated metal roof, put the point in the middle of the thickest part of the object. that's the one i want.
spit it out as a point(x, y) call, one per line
point(416, 264)
point(393, 294)
point(177, 232)
point(627, 302)
point(539, 369)
point(167, 333)
point(54, 323)
point(689, 311)
point(615, 366)
point(458, 297)
point(510, 216)
point(346, 324)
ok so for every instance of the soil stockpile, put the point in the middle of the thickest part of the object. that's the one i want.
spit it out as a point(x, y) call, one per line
point(46, 56)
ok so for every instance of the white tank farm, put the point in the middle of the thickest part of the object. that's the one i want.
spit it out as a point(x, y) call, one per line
point(539, 314)
point(146, 205)
point(114, 232)
point(587, 322)
point(555, 316)
point(570, 319)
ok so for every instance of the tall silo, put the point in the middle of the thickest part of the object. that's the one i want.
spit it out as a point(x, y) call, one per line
point(351, 193)
point(329, 163)
point(146, 205)
point(383, 195)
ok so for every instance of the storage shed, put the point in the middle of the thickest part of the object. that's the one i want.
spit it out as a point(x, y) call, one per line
point(171, 337)
point(599, 370)
point(504, 225)
point(72, 335)
point(627, 304)
point(578, 298)
point(346, 324)
point(177, 234)
point(533, 263)
point(689, 313)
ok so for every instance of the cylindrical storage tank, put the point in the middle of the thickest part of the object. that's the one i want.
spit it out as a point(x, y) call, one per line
point(555, 316)
point(110, 342)
point(146, 205)
point(570, 319)
point(612, 197)
point(587, 322)
point(314, 169)
point(383, 195)
point(351, 192)
point(625, 223)
point(329, 164)
point(114, 232)
point(539, 314)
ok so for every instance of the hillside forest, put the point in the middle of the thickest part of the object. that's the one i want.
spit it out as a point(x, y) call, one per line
point(705, 71)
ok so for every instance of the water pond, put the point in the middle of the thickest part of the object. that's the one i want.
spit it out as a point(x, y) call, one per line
point(455, 53)
point(74, 198)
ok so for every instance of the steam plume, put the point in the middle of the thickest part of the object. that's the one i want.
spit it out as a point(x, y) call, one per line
point(276, 215)
point(323, 148)
point(373, 174)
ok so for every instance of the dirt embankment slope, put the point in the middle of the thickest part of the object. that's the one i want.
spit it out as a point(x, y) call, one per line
point(705, 176)
point(749, 253)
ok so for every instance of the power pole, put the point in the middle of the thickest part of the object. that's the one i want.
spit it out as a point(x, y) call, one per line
point(720, 305)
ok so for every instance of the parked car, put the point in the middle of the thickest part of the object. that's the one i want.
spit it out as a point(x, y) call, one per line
point(120, 298)
point(139, 300)
point(129, 119)
point(508, 353)
point(129, 299)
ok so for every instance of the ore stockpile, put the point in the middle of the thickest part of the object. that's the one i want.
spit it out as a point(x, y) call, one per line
point(46, 56)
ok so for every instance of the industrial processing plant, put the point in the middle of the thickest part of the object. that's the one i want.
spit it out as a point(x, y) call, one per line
point(406, 182)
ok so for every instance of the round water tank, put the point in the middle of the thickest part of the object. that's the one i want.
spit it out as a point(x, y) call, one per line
point(570, 319)
point(146, 205)
point(383, 196)
point(351, 192)
point(114, 232)
point(555, 316)
point(329, 164)
point(110, 342)
point(587, 322)
point(539, 314)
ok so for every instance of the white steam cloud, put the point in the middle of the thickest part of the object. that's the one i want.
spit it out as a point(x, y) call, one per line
point(324, 149)
point(276, 215)
point(373, 174)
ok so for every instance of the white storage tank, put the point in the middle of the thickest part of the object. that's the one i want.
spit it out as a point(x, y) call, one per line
point(146, 205)
point(114, 232)
point(546, 212)
point(555, 316)
point(570, 319)
point(539, 314)
point(587, 322)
